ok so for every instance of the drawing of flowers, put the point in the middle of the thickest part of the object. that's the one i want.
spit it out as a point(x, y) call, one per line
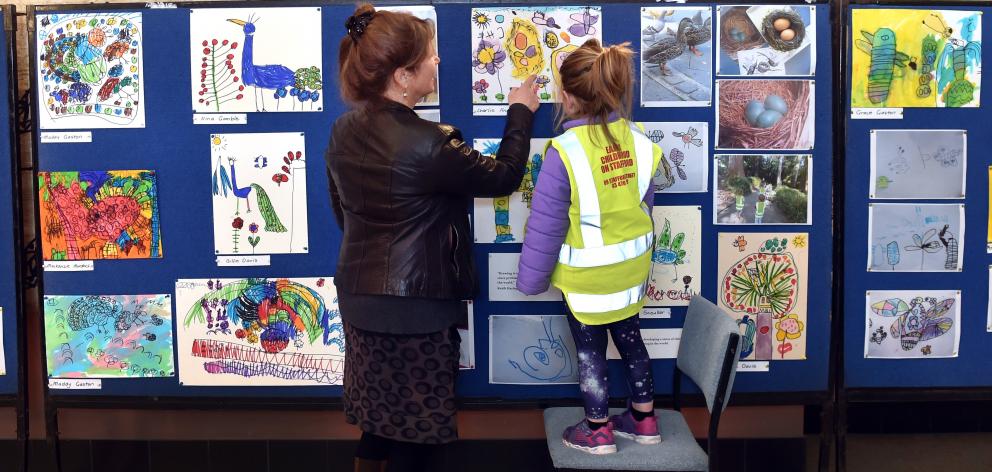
point(768, 276)
point(481, 19)
point(542, 81)
point(480, 87)
point(488, 59)
point(790, 327)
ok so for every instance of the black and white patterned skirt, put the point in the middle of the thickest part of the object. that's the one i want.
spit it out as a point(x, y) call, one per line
point(402, 387)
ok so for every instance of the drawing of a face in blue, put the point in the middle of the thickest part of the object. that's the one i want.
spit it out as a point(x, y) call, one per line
point(549, 360)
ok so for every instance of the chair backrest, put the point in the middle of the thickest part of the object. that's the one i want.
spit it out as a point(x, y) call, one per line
point(706, 337)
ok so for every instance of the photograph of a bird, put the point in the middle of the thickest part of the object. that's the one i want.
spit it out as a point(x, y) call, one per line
point(699, 32)
point(669, 48)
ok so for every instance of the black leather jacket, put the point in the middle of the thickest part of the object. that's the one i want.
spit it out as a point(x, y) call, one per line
point(401, 187)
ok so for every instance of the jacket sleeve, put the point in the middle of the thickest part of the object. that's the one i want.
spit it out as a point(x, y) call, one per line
point(335, 197)
point(546, 226)
point(462, 170)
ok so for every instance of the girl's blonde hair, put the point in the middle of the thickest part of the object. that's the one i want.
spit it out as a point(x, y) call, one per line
point(600, 81)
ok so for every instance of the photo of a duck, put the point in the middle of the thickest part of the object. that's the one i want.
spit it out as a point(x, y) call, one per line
point(668, 48)
point(699, 32)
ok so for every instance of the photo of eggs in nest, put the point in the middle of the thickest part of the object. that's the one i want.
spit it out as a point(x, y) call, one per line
point(766, 40)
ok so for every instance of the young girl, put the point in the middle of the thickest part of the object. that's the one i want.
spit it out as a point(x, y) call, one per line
point(590, 233)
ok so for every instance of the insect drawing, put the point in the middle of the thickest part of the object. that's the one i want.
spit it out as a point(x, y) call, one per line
point(584, 23)
point(677, 157)
point(109, 335)
point(675, 271)
point(922, 319)
point(878, 335)
point(259, 331)
point(881, 46)
point(689, 137)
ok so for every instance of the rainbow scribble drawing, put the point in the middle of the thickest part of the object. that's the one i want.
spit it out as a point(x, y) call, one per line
point(99, 215)
point(916, 58)
point(90, 71)
point(109, 335)
point(259, 332)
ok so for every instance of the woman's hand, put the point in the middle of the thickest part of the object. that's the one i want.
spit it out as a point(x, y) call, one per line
point(526, 94)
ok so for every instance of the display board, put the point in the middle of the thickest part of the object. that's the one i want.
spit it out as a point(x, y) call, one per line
point(181, 178)
point(10, 245)
point(915, 209)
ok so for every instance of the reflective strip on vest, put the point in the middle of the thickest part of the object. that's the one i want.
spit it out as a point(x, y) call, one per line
point(606, 255)
point(589, 223)
point(607, 302)
point(644, 149)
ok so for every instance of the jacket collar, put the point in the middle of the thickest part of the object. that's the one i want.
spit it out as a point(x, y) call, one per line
point(587, 120)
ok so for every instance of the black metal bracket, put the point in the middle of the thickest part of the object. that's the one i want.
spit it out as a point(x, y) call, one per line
point(25, 124)
point(30, 264)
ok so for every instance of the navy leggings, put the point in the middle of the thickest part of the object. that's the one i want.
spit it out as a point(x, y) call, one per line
point(590, 344)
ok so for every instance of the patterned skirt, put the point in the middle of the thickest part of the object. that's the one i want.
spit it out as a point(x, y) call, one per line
point(402, 387)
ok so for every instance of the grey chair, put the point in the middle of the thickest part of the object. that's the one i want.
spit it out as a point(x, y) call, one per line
point(708, 353)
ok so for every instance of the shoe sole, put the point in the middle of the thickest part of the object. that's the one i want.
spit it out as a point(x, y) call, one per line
point(598, 450)
point(639, 439)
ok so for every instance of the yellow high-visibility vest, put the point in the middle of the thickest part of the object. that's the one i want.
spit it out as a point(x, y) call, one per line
point(604, 264)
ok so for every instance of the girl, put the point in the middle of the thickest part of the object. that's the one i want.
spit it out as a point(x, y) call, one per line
point(590, 233)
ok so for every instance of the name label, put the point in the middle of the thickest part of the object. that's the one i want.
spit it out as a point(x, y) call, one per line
point(242, 261)
point(75, 384)
point(876, 113)
point(67, 266)
point(67, 137)
point(752, 366)
point(220, 118)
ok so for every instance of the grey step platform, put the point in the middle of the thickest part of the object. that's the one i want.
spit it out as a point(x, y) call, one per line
point(678, 450)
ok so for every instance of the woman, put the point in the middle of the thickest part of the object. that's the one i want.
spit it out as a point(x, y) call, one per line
point(400, 188)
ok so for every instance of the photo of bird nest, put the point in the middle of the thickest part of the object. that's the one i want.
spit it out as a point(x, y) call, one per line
point(766, 40)
point(764, 114)
point(784, 30)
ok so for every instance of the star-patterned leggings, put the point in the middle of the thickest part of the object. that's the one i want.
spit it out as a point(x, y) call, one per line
point(590, 346)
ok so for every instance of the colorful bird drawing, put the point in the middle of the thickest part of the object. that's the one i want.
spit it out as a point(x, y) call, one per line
point(281, 80)
point(223, 184)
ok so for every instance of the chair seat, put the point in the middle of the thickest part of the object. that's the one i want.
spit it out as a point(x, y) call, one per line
point(678, 450)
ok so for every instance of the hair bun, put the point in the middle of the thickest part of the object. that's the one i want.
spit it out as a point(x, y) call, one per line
point(357, 24)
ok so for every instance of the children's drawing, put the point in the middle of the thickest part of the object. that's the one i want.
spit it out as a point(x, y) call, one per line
point(512, 43)
point(502, 219)
point(424, 12)
point(675, 268)
point(90, 70)
point(686, 147)
point(766, 40)
point(109, 335)
point(676, 55)
point(99, 215)
point(926, 237)
point(466, 330)
point(912, 323)
point(765, 114)
point(762, 189)
point(256, 59)
point(918, 163)
point(263, 331)
point(259, 193)
point(765, 287)
point(916, 58)
point(531, 349)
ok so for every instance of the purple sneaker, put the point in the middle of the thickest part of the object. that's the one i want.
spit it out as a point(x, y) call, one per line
point(643, 432)
point(584, 439)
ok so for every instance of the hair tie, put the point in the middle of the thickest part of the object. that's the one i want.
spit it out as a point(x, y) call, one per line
point(357, 24)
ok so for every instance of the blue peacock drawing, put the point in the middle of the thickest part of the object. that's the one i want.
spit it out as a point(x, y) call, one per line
point(304, 84)
point(224, 182)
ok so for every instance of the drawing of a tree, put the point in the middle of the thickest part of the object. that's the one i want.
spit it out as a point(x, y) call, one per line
point(768, 276)
point(219, 82)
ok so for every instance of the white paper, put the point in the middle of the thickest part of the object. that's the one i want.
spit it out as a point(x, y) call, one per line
point(907, 237)
point(243, 261)
point(259, 332)
point(918, 163)
point(424, 12)
point(660, 343)
point(275, 55)
point(429, 114)
point(503, 219)
point(655, 312)
point(220, 118)
point(466, 330)
point(503, 281)
point(90, 72)
point(876, 113)
point(912, 324)
point(67, 266)
point(253, 212)
point(52, 137)
point(753, 366)
point(688, 77)
point(677, 256)
point(75, 384)
point(686, 148)
point(490, 110)
point(531, 350)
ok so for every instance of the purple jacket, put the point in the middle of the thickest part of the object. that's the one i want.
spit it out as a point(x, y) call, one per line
point(548, 222)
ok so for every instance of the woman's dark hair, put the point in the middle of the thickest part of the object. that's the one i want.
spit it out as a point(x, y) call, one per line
point(378, 43)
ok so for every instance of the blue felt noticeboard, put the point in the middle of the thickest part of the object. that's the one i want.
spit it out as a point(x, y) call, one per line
point(10, 248)
point(178, 150)
point(969, 368)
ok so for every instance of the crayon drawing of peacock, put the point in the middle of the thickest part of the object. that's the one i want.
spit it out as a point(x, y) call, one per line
point(256, 59)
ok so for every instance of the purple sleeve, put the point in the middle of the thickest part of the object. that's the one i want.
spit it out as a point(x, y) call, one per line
point(546, 227)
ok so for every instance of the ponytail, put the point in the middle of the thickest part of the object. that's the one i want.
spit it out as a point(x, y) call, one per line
point(601, 80)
